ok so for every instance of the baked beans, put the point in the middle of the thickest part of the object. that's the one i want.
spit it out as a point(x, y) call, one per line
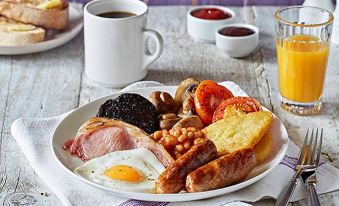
point(178, 141)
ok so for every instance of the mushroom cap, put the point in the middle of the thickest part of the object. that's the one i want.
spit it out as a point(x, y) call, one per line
point(190, 121)
point(184, 89)
point(163, 102)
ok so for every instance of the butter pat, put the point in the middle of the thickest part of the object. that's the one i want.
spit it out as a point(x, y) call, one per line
point(12, 26)
point(50, 4)
point(21, 27)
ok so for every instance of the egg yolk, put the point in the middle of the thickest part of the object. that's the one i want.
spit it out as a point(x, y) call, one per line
point(125, 173)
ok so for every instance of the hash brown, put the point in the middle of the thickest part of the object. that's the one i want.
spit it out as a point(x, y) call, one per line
point(238, 130)
point(264, 148)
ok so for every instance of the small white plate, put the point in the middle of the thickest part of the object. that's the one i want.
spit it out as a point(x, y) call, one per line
point(70, 124)
point(53, 38)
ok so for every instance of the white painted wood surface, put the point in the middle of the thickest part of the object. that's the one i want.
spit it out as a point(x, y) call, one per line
point(51, 83)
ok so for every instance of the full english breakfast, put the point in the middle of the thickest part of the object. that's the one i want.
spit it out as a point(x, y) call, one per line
point(202, 138)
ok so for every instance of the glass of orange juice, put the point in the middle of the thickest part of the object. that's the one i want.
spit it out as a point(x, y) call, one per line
point(303, 41)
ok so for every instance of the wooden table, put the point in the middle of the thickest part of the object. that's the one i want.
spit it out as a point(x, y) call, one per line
point(53, 82)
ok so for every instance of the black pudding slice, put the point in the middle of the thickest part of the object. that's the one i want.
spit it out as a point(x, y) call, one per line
point(133, 109)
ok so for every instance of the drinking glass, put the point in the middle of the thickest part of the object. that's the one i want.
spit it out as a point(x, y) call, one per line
point(303, 41)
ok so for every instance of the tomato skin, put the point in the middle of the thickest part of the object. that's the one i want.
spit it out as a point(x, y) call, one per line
point(208, 96)
point(245, 104)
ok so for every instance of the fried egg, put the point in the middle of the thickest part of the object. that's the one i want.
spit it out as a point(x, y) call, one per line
point(132, 170)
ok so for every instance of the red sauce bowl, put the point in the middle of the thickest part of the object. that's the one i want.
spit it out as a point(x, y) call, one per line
point(203, 21)
point(211, 14)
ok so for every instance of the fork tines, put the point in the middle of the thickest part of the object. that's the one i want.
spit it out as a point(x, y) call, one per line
point(311, 150)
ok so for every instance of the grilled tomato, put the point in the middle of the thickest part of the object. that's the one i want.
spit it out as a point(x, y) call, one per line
point(208, 96)
point(245, 104)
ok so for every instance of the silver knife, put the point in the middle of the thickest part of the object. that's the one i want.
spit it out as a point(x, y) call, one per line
point(309, 175)
point(310, 181)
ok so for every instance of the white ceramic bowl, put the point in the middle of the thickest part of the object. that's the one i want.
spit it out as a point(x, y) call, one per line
point(237, 46)
point(204, 29)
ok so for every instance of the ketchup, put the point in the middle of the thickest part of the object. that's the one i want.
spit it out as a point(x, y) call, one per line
point(236, 31)
point(211, 14)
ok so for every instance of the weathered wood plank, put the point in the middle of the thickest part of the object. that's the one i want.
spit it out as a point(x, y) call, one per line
point(17, 179)
point(5, 76)
point(41, 85)
point(45, 84)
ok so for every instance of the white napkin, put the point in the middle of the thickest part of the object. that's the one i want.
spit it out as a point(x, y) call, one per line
point(34, 136)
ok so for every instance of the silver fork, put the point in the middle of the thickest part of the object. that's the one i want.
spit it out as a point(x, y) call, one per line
point(286, 194)
point(308, 174)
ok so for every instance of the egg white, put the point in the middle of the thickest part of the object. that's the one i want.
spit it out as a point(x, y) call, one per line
point(141, 159)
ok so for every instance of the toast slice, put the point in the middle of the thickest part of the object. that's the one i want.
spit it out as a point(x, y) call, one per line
point(50, 14)
point(13, 33)
point(238, 130)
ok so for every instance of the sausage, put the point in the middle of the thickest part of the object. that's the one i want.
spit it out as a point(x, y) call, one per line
point(226, 170)
point(172, 180)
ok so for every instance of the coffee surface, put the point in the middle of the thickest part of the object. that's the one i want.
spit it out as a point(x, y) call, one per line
point(116, 14)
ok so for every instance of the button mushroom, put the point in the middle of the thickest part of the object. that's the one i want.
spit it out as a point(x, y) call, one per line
point(187, 107)
point(185, 89)
point(163, 102)
point(190, 121)
point(167, 121)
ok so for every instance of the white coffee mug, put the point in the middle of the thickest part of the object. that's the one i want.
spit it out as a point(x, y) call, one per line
point(116, 52)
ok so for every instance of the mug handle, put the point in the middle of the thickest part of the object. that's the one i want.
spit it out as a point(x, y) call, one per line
point(149, 58)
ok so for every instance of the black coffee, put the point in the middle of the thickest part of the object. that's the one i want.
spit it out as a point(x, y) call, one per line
point(116, 14)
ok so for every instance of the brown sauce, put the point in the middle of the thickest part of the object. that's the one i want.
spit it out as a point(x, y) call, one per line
point(236, 31)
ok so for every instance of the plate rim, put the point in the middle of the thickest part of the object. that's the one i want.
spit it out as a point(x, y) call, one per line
point(177, 197)
point(48, 44)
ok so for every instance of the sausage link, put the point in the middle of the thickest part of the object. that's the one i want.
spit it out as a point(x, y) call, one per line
point(226, 170)
point(172, 180)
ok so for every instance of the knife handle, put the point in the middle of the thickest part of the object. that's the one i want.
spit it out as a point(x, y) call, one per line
point(286, 194)
point(312, 196)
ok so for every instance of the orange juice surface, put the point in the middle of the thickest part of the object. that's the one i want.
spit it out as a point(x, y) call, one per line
point(302, 62)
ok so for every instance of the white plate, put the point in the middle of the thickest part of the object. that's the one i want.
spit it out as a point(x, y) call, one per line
point(68, 128)
point(53, 38)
